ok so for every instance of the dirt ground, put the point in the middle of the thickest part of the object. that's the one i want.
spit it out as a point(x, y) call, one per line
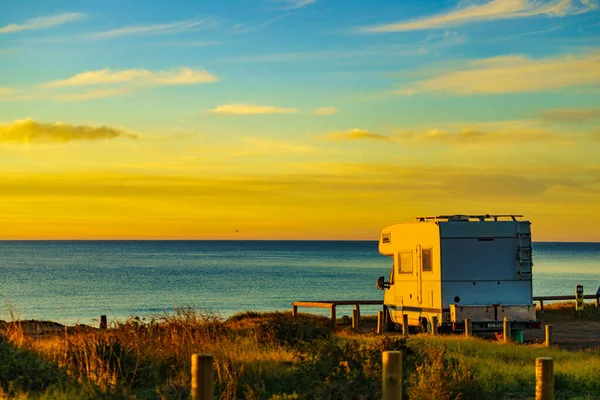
point(569, 333)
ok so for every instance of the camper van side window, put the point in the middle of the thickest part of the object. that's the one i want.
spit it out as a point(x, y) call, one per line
point(427, 259)
point(405, 262)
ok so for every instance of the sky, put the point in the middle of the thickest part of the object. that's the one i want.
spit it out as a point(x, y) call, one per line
point(296, 119)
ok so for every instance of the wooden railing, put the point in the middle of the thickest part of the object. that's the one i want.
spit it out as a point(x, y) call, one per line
point(332, 306)
point(541, 299)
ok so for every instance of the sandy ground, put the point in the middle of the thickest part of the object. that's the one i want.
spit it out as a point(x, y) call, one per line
point(568, 333)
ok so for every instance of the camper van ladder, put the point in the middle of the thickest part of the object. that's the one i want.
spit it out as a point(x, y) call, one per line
point(524, 252)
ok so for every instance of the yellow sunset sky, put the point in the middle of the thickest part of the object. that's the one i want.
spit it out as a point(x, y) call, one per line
point(296, 119)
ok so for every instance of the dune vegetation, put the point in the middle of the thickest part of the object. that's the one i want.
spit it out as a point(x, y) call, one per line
point(271, 356)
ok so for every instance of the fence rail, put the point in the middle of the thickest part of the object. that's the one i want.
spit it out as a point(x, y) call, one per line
point(332, 305)
point(541, 299)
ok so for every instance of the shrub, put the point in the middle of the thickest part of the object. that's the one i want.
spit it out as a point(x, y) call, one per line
point(284, 329)
point(22, 371)
point(443, 378)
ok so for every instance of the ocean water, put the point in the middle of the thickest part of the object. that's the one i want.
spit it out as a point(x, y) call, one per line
point(77, 281)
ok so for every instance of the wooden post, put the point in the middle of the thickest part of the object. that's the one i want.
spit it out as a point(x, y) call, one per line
point(405, 324)
point(202, 377)
point(103, 323)
point(506, 330)
point(544, 378)
point(598, 303)
point(548, 335)
point(357, 308)
point(294, 310)
point(468, 327)
point(434, 325)
point(355, 319)
point(379, 322)
point(541, 306)
point(392, 375)
point(333, 316)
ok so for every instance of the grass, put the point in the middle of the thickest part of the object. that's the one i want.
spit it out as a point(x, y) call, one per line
point(566, 310)
point(272, 356)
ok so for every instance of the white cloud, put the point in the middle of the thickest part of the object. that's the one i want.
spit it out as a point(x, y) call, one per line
point(179, 76)
point(158, 29)
point(515, 74)
point(491, 10)
point(357, 134)
point(42, 22)
point(93, 94)
point(323, 111)
point(249, 109)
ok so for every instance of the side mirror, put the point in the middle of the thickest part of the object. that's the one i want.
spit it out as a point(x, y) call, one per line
point(382, 284)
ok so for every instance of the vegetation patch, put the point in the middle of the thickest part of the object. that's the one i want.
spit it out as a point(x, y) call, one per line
point(272, 356)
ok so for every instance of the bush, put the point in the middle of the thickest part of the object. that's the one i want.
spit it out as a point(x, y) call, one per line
point(443, 378)
point(284, 329)
point(21, 371)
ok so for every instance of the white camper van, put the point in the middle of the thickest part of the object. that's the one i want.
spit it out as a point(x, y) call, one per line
point(456, 267)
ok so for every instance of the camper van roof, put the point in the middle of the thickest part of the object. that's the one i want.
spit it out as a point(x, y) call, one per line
point(467, 218)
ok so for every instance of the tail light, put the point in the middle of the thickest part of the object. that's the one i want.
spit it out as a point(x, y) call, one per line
point(458, 325)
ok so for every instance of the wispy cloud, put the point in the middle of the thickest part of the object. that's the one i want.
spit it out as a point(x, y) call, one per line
point(159, 29)
point(293, 4)
point(433, 43)
point(249, 109)
point(572, 115)
point(42, 22)
point(258, 147)
point(392, 51)
point(405, 92)
point(357, 134)
point(93, 94)
point(324, 111)
point(6, 92)
point(515, 74)
point(498, 133)
point(179, 76)
point(491, 10)
point(29, 131)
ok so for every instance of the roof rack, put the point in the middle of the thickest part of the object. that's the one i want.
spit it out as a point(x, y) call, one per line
point(467, 218)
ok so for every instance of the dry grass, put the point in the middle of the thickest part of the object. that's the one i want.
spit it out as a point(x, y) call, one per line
point(270, 356)
point(565, 310)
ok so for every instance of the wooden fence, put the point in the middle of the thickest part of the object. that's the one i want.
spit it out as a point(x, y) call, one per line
point(332, 305)
point(541, 299)
point(202, 382)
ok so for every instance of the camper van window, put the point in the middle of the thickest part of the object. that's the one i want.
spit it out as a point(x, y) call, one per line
point(427, 259)
point(405, 264)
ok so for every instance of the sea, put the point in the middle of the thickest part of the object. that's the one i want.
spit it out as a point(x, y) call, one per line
point(77, 281)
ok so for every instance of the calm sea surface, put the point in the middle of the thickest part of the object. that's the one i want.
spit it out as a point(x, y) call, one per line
point(77, 281)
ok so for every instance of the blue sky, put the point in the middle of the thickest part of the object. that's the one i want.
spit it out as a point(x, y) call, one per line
point(273, 88)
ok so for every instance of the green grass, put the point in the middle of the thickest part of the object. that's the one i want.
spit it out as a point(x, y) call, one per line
point(273, 356)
